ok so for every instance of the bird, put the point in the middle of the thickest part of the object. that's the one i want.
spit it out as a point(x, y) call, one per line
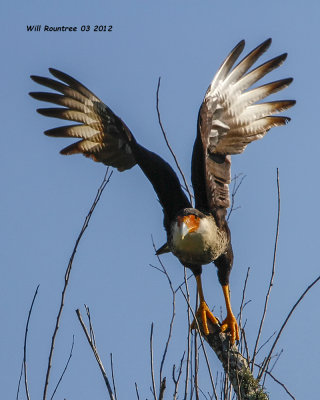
point(231, 116)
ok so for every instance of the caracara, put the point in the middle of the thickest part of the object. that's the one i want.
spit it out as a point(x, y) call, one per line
point(230, 117)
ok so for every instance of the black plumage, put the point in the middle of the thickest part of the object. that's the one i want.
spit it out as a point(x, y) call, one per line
point(230, 117)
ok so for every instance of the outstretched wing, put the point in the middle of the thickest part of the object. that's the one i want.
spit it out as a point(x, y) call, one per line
point(230, 118)
point(105, 137)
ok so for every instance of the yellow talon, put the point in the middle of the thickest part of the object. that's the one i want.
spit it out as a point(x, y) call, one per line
point(204, 314)
point(230, 323)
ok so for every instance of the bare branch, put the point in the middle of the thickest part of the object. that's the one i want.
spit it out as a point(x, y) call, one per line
point(285, 323)
point(234, 364)
point(105, 181)
point(281, 384)
point(189, 334)
point(243, 297)
point(169, 147)
point(276, 360)
point(277, 356)
point(266, 342)
point(242, 305)
point(199, 329)
point(184, 283)
point(177, 380)
point(25, 347)
point(92, 336)
point(96, 354)
point(196, 365)
point(162, 388)
point(19, 382)
point(137, 391)
point(272, 276)
point(235, 188)
point(113, 380)
point(151, 364)
point(64, 370)
point(172, 315)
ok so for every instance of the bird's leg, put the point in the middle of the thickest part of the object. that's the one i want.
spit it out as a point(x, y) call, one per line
point(203, 311)
point(230, 322)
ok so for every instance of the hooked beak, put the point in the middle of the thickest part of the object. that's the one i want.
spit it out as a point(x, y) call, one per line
point(184, 230)
point(188, 224)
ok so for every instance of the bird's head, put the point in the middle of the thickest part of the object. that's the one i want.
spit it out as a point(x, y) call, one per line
point(187, 224)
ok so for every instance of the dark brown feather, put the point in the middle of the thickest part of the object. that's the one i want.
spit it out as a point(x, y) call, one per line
point(229, 119)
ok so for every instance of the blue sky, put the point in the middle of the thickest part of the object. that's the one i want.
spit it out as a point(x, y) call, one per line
point(45, 196)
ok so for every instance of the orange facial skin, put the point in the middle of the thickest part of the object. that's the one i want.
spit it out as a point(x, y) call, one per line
point(191, 221)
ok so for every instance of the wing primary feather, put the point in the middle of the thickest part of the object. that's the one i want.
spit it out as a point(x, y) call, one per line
point(245, 64)
point(258, 73)
point(50, 83)
point(73, 83)
point(62, 100)
point(66, 113)
point(60, 87)
point(71, 149)
point(257, 111)
point(259, 93)
point(76, 131)
point(230, 118)
point(226, 65)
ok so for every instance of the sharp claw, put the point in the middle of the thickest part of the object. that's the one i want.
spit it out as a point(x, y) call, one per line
point(204, 322)
point(204, 313)
point(224, 327)
point(231, 323)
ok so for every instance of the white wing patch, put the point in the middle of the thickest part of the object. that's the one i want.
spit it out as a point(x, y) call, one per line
point(105, 137)
point(230, 117)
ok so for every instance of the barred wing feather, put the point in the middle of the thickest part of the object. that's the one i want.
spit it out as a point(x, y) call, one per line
point(230, 117)
point(104, 136)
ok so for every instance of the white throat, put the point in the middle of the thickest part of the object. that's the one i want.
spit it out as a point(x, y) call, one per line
point(200, 247)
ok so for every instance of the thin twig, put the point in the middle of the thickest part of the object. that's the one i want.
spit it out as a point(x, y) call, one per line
point(191, 366)
point(241, 310)
point(202, 345)
point(137, 391)
point(151, 364)
point(92, 336)
point(96, 354)
point(276, 360)
point(177, 380)
point(113, 380)
point(285, 322)
point(19, 382)
point(162, 388)
point(25, 345)
point(234, 192)
point(64, 370)
point(183, 283)
point(266, 342)
point(272, 275)
point(245, 345)
point(204, 395)
point(102, 186)
point(196, 364)
point(186, 382)
point(243, 297)
point(164, 270)
point(281, 384)
point(169, 147)
point(274, 364)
